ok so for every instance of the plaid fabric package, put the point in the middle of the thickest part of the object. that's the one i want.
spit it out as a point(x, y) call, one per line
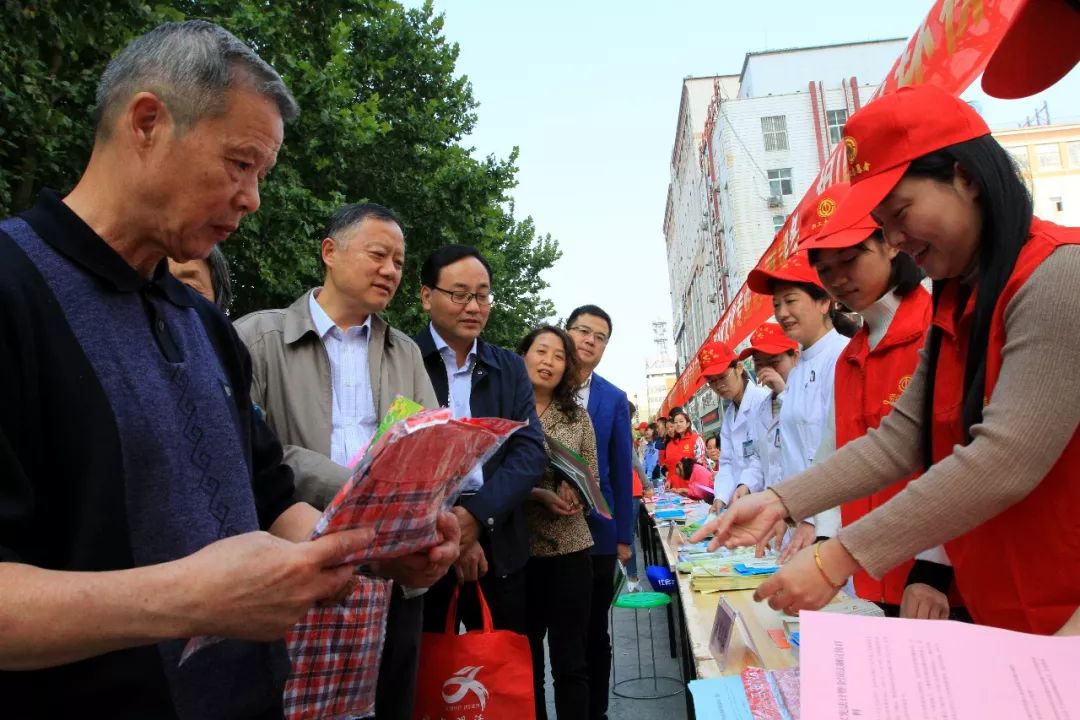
point(398, 488)
point(411, 472)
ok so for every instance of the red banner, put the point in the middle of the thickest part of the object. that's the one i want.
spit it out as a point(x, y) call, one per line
point(949, 50)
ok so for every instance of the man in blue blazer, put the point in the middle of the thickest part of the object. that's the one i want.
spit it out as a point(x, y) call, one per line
point(590, 327)
point(475, 379)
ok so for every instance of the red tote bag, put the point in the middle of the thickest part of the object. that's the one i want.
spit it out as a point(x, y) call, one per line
point(481, 675)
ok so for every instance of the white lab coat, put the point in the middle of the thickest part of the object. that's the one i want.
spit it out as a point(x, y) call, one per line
point(739, 461)
point(806, 404)
point(767, 437)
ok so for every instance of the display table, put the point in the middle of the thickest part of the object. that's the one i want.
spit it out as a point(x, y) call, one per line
point(696, 612)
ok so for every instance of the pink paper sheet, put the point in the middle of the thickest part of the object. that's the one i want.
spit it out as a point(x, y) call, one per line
point(891, 669)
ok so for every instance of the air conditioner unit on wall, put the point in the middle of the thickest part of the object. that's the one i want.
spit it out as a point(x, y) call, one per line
point(775, 201)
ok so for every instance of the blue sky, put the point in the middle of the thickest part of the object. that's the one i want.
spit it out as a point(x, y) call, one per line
point(589, 91)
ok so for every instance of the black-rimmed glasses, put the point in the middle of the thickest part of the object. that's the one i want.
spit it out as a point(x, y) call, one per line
point(463, 297)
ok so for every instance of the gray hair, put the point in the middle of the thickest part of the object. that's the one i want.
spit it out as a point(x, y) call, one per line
point(188, 65)
point(348, 216)
point(219, 279)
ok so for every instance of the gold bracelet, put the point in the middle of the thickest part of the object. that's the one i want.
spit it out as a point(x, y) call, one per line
point(817, 559)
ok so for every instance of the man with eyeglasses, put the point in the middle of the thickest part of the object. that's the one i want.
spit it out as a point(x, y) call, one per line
point(476, 379)
point(590, 328)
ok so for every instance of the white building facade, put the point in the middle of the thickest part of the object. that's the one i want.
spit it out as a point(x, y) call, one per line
point(660, 376)
point(769, 143)
point(692, 269)
point(761, 139)
point(1049, 158)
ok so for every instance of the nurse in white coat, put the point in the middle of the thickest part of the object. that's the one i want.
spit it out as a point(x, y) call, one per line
point(774, 355)
point(739, 462)
point(805, 313)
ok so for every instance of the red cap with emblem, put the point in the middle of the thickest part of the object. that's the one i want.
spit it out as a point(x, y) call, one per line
point(796, 270)
point(813, 219)
point(769, 339)
point(884, 137)
point(715, 358)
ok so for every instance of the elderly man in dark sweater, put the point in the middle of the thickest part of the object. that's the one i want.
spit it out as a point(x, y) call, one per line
point(142, 501)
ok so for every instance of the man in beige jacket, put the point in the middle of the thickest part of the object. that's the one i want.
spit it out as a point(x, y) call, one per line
point(325, 370)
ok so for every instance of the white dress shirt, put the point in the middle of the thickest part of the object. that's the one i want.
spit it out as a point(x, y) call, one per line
point(584, 391)
point(459, 385)
point(352, 418)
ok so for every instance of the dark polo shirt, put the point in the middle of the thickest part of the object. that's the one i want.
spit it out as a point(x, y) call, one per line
point(127, 438)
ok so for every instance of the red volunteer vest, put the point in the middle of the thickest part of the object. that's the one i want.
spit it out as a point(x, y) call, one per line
point(1019, 570)
point(675, 451)
point(868, 383)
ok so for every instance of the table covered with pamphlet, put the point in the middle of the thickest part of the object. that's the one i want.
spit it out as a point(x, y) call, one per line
point(729, 644)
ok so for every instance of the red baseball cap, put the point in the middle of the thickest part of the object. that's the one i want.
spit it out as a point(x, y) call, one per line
point(813, 218)
point(884, 137)
point(796, 270)
point(1040, 47)
point(643, 426)
point(715, 358)
point(769, 339)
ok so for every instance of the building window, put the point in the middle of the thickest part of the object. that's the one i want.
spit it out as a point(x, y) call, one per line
point(1049, 156)
point(777, 223)
point(1058, 203)
point(1074, 153)
point(780, 182)
point(774, 128)
point(835, 120)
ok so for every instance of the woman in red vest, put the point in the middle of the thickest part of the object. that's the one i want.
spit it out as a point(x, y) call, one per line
point(882, 285)
point(685, 443)
point(992, 433)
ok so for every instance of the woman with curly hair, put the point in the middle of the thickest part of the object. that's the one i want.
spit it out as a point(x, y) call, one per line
point(558, 578)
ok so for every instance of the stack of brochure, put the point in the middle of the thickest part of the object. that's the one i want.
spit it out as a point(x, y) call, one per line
point(712, 573)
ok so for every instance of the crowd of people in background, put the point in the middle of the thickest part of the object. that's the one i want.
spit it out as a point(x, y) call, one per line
point(164, 467)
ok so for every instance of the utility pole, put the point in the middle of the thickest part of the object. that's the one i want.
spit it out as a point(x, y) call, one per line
point(1042, 116)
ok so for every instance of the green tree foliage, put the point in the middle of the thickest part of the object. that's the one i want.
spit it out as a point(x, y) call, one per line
point(383, 116)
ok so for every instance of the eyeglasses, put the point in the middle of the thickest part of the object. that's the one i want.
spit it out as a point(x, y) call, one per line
point(720, 377)
point(585, 332)
point(461, 297)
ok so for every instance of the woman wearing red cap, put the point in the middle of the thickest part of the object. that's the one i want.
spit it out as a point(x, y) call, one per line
point(684, 443)
point(774, 355)
point(739, 462)
point(874, 279)
point(806, 314)
point(993, 436)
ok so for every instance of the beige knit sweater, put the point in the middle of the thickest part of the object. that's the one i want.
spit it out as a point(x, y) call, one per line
point(1030, 419)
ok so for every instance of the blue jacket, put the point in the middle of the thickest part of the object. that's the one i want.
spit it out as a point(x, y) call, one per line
point(610, 414)
point(500, 388)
